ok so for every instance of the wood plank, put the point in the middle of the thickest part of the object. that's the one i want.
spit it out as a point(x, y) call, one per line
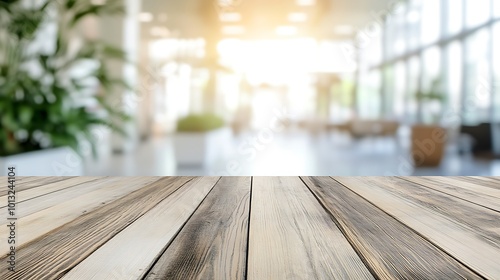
point(483, 181)
point(42, 222)
point(458, 240)
point(24, 183)
point(482, 221)
point(52, 255)
point(31, 193)
point(39, 203)
point(481, 195)
point(293, 237)
point(213, 243)
point(392, 250)
point(131, 257)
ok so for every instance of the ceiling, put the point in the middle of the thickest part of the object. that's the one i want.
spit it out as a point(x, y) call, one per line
point(260, 18)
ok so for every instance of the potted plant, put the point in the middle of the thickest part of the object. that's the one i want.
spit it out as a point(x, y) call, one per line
point(53, 92)
point(428, 138)
point(199, 138)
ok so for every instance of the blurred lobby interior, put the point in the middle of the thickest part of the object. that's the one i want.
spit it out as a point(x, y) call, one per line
point(306, 87)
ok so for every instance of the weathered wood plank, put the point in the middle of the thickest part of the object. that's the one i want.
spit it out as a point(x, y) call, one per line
point(213, 243)
point(293, 237)
point(25, 183)
point(483, 181)
point(126, 256)
point(39, 203)
point(52, 255)
point(485, 196)
point(392, 250)
point(42, 222)
point(458, 240)
point(31, 193)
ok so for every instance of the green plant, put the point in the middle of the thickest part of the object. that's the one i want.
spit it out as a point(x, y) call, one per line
point(199, 123)
point(49, 107)
point(427, 100)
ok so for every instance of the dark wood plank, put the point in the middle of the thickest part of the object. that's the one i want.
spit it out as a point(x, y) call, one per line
point(293, 237)
point(392, 250)
point(478, 194)
point(52, 255)
point(213, 243)
point(132, 256)
point(458, 240)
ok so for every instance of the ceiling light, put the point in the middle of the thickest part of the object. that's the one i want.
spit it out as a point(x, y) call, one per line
point(286, 30)
point(297, 17)
point(230, 17)
point(233, 30)
point(344, 29)
point(306, 2)
point(145, 17)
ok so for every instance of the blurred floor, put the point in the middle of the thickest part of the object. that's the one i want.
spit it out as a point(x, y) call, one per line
point(290, 154)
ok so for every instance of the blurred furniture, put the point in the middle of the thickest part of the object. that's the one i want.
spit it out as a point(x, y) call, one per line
point(367, 128)
point(484, 139)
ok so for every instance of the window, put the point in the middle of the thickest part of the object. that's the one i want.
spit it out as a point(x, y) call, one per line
point(477, 77)
point(430, 21)
point(455, 16)
point(477, 12)
point(496, 71)
point(454, 78)
point(400, 89)
point(413, 18)
point(413, 87)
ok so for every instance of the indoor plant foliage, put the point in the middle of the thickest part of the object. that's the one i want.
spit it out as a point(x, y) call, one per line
point(46, 101)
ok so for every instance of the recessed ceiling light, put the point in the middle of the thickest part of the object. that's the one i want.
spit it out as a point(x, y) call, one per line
point(146, 17)
point(344, 29)
point(297, 17)
point(230, 17)
point(306, 2)
point(286, 30)
point(233, 30)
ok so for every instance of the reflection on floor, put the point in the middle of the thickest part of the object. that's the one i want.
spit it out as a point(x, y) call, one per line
point(290, 154)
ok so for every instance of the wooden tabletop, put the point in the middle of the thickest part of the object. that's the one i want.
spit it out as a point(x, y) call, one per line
point(254, 228)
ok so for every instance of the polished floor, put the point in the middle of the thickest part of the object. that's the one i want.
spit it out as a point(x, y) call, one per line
point(290, 153)
point(253, 228)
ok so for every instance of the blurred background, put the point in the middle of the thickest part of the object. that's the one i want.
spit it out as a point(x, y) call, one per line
point(250, 87)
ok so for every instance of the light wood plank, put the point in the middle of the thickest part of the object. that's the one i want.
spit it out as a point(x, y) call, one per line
point(31, 193)
point(42, 202)
point(126, 256)
point(213, 243)
point(52, 255)
point(392, 250)
point(485, 196)
point(293, 237)
point(42, 222)
point(456, 239)
point(24, 183)
point(483, 181)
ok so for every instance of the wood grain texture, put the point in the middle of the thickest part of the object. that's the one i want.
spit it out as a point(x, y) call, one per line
point(213, 243)
point(458, 240)
point(25, 183)
point(483, 181)
point(481, 195)
point(39, 203)
point(293, 237)
point(31, 193)
point(53, 254)
point(42, 222)
point(130, 253)
point(392, 250)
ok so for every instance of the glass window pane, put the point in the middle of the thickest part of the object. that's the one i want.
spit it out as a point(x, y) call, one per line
point(431, 72)
point(496, 8)
point(413, 86)
point(399, 90)
point(430, 21)
point(496, 69)
point(477, 12)
point(455, 16)
point(413, 19)
point(454, 78)
point(477, 99)
point(369, 96)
